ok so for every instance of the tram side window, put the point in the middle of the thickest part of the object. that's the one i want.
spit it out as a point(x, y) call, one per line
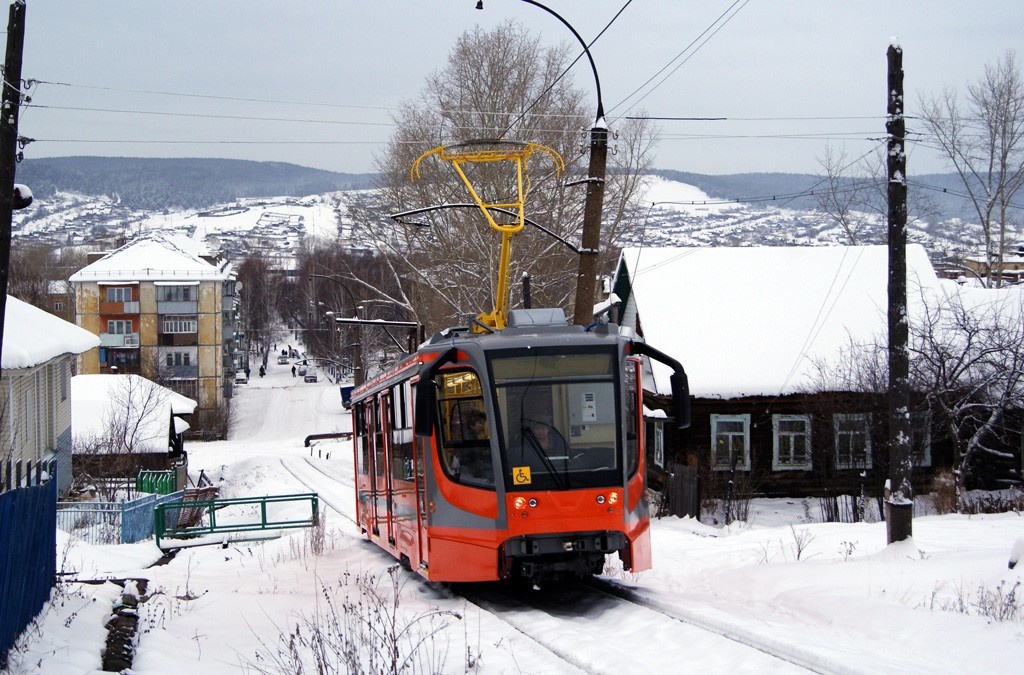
point(362, 441)
point(465, 430)
point(402, 467)
point(631, 378)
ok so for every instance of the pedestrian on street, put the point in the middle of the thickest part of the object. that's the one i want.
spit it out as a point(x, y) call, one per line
point(293, 371)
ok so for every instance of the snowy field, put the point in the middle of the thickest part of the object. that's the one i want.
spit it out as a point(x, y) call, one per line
point(834, 593)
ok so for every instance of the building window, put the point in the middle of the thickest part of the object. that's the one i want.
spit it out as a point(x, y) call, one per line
point(174, 293)
point(119, 294)
point(119, 327)
point(791, 442)
point(188, 388)
point(58, 306)
point(730, 442)
point(180, 323)
point(178, 359)
point(853, 441)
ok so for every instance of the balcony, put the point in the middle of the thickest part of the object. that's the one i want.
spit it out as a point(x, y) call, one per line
point(119, 308)
point(177, 307)
point(119, 339)
point(178, 339)
point(179, 372)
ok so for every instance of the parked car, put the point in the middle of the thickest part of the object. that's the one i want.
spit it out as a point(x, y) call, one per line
point(241, 377)
point(310, 376)
point(282, 360)
point(302, 370)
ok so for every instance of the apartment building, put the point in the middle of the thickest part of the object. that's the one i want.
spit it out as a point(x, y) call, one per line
point(163, 307)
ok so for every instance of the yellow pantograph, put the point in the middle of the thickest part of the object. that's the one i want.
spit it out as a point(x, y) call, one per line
point(480, 152)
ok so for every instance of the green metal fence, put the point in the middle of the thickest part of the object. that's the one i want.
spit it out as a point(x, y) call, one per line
point(157, 482)
point(241, 514)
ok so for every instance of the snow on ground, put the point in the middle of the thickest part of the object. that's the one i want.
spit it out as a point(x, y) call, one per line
point(835, 590)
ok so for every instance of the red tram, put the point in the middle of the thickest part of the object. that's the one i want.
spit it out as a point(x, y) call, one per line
point(512, 453)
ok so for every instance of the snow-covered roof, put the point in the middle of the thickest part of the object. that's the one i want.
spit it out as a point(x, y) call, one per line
point(96, 400)
point(156, 256)
point(753, 321)
point(32, 336)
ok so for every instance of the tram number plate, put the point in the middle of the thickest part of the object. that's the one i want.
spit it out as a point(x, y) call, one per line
point(521, 475)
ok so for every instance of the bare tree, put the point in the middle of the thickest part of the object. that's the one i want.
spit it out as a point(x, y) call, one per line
point(966, 370)
point(969, 361)
point(134, 413)
point(258, 302)
point(984, 143)
point(498, 84)
point(843, 197)
point(853, 193)
point(34, 267)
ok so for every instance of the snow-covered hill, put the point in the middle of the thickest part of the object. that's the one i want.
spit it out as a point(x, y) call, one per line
point(673, 214)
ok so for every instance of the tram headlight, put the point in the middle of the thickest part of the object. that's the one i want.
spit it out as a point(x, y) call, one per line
point(613, 498)
point(520, 503)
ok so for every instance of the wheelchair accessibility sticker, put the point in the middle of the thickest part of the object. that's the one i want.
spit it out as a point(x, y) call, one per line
point(521, 475)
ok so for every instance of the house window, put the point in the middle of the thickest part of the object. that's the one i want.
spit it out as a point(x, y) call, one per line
point(921, 438)
point(791, 442)
point(659, 442)
point(119, 327)
point(853, 441)
point(730, 442)
point(119, 294)
point(180, 323)
point(174, 293)
point(58, 306)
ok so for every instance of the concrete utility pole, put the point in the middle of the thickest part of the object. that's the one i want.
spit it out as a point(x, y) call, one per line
point(899, 503)
point(9, 142)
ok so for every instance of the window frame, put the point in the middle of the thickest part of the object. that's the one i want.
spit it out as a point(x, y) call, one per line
point(777, 463)
point(179, 324)
point(865, 418)
point(118, 294)
point(119, 324)
point(744, 464)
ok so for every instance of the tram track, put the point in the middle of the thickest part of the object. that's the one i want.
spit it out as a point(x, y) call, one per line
point(317, 486)
point(793, 654)
point(597, 628)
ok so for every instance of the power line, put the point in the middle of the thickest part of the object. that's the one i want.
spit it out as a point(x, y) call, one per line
point(680, 54)
point(162, 113)
point(214, 97)
point(565, 72)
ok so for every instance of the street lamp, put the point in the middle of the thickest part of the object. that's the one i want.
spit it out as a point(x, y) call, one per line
point(586, 280)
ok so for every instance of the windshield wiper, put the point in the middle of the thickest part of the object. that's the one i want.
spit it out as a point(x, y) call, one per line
point(528, 434)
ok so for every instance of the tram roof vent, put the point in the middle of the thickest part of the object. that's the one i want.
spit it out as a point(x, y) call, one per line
point(528, 318)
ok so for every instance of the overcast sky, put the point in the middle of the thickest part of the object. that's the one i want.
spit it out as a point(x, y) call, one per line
point(183, 78)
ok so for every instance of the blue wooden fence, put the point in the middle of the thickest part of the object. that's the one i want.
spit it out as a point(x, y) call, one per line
point(28, 556)
point(112, 522)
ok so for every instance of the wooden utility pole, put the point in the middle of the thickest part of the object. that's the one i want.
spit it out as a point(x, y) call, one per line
point(899, 503)
point(9, 142)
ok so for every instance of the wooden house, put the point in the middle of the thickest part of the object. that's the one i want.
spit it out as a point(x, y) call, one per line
point(759, 330)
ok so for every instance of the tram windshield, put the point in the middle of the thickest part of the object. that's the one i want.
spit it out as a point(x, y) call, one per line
point(558, 415)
